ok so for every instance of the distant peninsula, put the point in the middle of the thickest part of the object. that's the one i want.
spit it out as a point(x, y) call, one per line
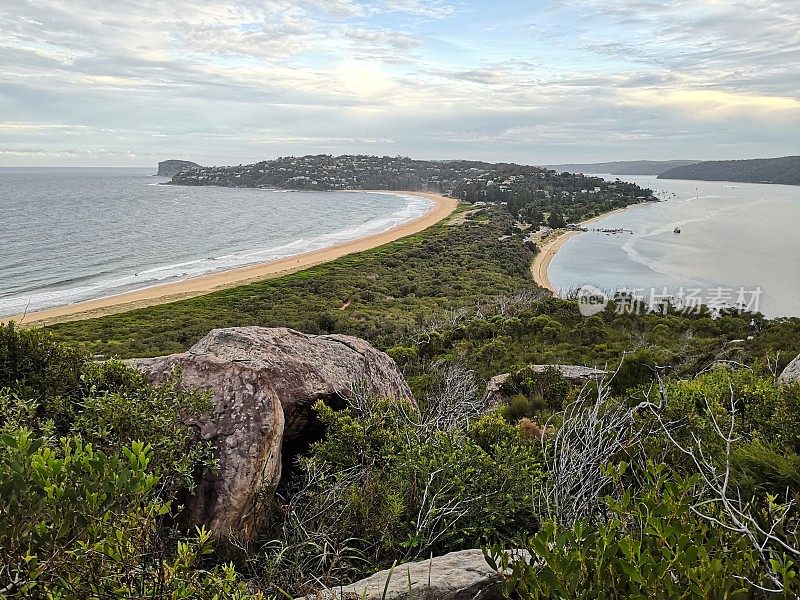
point(170, 168)
point(784, 170)
point(623, 167)
point(471, 181)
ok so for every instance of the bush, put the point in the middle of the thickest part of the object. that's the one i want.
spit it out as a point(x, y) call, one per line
point(79, 523)
point(651, 546)
point(767, 423)
point(93, 462)
point(384, 486)
point(536, 394)
point(55, 390)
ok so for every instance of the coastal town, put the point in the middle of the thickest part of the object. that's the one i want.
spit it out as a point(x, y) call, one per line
point(534, 195)
point(325, 172)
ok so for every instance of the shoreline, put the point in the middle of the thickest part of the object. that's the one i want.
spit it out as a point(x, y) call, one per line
point(542, 260)
point(210, 282)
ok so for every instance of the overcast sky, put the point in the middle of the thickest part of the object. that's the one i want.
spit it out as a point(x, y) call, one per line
point(131, 82)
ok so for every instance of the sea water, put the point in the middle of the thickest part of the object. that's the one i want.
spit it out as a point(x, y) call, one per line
point(68, 235)
point(733, 237)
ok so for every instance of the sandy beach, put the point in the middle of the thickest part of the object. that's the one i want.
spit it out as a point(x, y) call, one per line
point(196, 286)
point(552, 245)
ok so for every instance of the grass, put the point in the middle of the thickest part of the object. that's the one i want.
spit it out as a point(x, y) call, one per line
point(391, 290)
point(388, 295)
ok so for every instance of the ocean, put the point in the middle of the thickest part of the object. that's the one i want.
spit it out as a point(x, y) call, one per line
point(70, 235)
point(734, 238)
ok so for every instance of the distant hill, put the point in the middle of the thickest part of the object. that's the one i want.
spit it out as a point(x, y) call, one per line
point(170, 168)
point(784, 170)
point(623, 167)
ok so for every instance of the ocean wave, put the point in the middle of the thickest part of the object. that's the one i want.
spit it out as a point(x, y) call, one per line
point(414, 207)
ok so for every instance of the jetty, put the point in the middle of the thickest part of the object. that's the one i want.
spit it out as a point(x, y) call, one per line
point(579, 227)
point(613, 231)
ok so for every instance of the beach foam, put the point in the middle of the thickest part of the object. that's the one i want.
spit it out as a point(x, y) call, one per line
point(413, 208)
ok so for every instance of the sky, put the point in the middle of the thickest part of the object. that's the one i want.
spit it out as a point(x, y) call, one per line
point(132, 82)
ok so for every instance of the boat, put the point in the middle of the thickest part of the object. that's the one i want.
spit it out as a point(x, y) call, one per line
point(677, 230)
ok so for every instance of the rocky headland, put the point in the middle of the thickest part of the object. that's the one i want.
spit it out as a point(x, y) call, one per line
point(170, 168)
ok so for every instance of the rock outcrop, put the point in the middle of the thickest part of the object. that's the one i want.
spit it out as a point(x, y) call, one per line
point(170, 168)
point(463, 575)
point(791, 373)
point(575, 374)
point(263, 384)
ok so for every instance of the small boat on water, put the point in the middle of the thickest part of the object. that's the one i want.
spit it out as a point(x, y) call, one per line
point(677, 230)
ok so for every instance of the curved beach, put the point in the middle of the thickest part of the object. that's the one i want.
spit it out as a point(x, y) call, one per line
point(545, 256)
point(557, 239)
point(196, 286)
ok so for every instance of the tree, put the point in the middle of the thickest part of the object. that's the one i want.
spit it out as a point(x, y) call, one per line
point(556, 219)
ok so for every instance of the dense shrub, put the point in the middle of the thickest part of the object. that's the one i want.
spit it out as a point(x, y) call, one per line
point(93, 462)
point(383, 486)
point(649, 546)
point(76, 522)
point(55, 390)
point(536, 394)
point(766, 421)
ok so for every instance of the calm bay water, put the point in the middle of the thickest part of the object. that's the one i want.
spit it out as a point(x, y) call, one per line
point(733, 235)
point(69, 235)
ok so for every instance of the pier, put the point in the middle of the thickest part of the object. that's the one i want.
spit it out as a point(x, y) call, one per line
point(612, 231)
point(576, 227)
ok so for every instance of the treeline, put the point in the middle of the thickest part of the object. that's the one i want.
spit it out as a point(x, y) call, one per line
point(540, 197)
point(323, 172)
point(529, 193)
point(784, 170)
point(454, 291)
point(579, 476)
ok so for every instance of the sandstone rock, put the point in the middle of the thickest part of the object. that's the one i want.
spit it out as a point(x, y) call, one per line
point(170, 168)
point(791, 373)
point(264, 383)
point(576, 374)
point(462, 575)
point(494, 391)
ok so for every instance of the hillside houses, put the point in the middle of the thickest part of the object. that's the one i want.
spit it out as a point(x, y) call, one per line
point(528, 192)
point(326, 172)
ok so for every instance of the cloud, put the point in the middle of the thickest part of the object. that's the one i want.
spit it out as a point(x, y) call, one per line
point(483, 76)
point(241, 80)
point(393, 39)
point(434, 9)
point(718, 105)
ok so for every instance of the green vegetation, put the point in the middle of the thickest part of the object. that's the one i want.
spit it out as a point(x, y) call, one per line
point(651, 545)
point(784, 170)
point(677, 479)
point(529, 194)
point(409, 485)
point(471, 181)
point(93, 463)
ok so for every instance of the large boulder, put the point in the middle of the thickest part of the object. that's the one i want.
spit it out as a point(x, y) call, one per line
point(791, 373)
point(496, 396)
point(463, 575)
point(263, 384)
